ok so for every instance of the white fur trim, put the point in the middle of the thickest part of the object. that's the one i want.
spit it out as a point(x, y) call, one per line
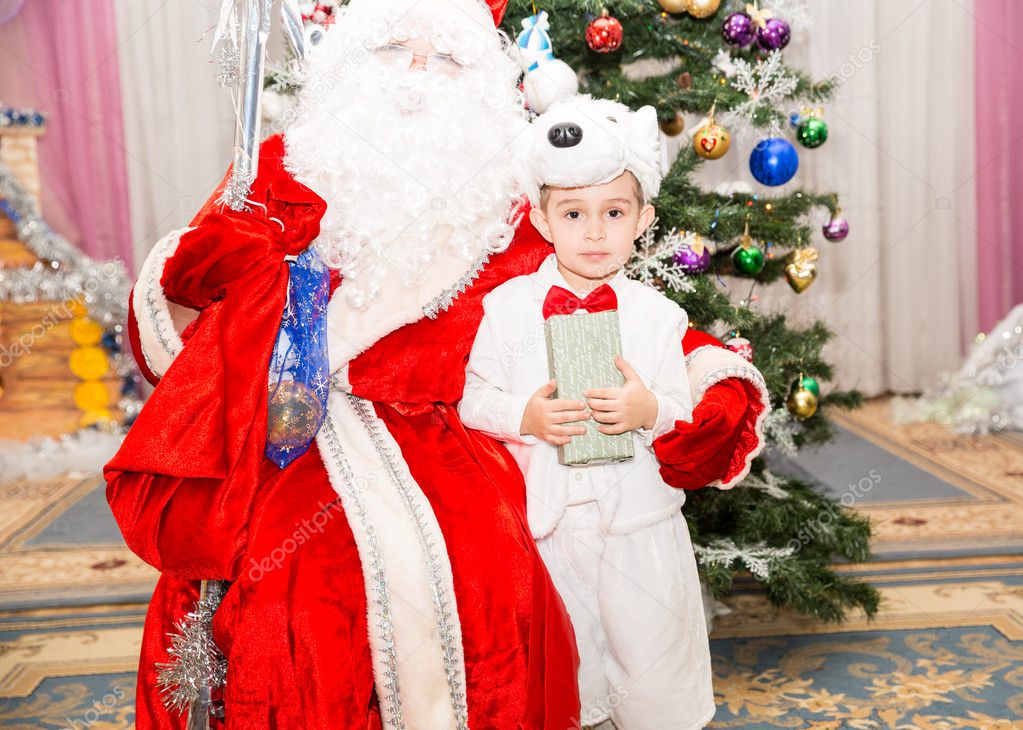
point(160, 340)
point(352, 331)
point(709, 365)
point(414, 633)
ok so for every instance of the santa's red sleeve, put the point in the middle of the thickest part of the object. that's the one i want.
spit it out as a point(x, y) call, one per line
point(717, 447)
point(183, 483)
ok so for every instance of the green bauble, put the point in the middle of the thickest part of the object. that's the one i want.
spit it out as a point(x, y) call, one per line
point(811, 385)
point(748, 260)
point(812, 132)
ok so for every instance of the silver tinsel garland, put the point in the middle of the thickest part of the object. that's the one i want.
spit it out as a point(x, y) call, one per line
point(63, 272)
point(196, 667)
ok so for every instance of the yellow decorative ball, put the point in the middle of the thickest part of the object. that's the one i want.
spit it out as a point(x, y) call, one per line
point(802, 403)
point(674, 127)
point(91, 395)
point(703, 8)
point(674, 6)
point(95, 418)
point(85, 331)
point(711, 141)
point(89, 363)
point(75, 308)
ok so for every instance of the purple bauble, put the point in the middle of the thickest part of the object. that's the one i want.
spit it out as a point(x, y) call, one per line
point(836, 229)
point(738, 30)
point(691, 262)
point(774, 35)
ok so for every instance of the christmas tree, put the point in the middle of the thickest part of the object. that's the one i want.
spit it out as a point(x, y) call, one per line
point(722, 64)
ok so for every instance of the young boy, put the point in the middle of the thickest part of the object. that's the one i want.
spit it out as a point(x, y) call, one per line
point(612, 535)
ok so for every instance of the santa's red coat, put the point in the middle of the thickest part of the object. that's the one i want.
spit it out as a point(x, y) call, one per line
point(195, 497)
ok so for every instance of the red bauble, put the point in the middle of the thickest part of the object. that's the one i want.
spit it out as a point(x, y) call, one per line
point(604, 34)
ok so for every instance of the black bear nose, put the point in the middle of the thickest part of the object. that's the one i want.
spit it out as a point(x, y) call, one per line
point(565, 135)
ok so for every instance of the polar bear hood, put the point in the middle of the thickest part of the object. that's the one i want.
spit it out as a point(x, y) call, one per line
point(583, 141)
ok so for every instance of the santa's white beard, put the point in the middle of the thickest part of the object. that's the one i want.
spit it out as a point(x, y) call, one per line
point(412, 164)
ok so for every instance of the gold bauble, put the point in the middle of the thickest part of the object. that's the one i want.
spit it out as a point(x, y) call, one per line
point(89, 363)
point(294, 414)
point(711, 141)
point(703, 8)
point(674, 127)
point(85, 331)
point(674, 6)
point(802, 403)
point(91, 395)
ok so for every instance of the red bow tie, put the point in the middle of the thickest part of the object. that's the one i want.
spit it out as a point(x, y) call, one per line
point(561, 301)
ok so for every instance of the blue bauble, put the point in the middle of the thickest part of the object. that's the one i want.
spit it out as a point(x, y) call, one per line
point(773, 161)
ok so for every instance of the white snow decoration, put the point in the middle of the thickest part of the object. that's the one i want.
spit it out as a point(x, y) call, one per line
point(81, 454)
point(654, 259)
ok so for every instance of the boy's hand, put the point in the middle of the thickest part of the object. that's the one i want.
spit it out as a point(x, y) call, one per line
point(623, 409)
point(551, 420)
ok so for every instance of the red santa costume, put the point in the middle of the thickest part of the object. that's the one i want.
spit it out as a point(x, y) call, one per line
point(387, 577)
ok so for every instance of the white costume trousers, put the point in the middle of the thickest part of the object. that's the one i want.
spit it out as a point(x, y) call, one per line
point(637, 609)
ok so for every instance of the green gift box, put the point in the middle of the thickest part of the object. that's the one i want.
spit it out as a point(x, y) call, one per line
point(581, 351)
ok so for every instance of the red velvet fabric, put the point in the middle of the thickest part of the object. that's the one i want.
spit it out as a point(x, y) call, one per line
point(715, 444)
point(194, 496)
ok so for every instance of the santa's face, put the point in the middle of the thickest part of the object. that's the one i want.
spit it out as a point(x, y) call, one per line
point(405, 127)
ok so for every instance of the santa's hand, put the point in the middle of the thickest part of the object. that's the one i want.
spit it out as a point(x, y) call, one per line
point(550, 419)
point(713, 446)
point(626, 408)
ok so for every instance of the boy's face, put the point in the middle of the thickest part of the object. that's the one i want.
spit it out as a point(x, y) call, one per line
point(593, 229)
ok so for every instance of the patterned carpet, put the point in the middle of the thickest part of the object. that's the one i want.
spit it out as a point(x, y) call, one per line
point(946, 651)
point(59, 546)
point(69, 668)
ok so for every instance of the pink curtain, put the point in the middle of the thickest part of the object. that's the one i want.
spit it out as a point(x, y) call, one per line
point(62, 59)
point(999, 180)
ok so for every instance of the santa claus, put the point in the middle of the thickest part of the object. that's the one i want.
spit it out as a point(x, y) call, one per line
point(385, 576)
